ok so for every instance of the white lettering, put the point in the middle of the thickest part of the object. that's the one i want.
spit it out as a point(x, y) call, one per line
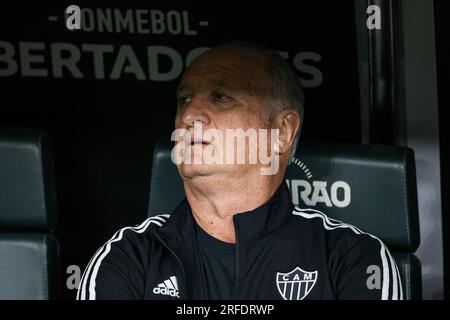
point(7, 58)
point(26, 59)
point(155, 73)
point(73, 281)
point(141, 21)
point(346, 199)
point(73, 17)
point(320, 193)
point(69, 62)
point(126, 54)
point(87, 20)
point(104, 20)
point(374, 19)
point(124, 22)
point(315, 73)
point(315, 192)
point(307, 276)
point(98, 50)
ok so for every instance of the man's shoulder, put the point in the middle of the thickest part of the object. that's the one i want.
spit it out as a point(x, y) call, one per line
point(140, 231)
point(125, 253)
point(136, 238)
point(336, 232)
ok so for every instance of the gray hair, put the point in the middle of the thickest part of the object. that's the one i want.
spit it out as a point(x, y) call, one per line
point(287, 91)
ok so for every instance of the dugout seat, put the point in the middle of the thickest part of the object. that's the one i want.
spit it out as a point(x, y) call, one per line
point(28, 250)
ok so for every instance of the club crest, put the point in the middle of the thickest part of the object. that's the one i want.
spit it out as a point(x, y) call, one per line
point(297, 284)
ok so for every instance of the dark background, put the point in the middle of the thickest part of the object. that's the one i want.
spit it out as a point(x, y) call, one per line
point(442, 27)
point(104, 131)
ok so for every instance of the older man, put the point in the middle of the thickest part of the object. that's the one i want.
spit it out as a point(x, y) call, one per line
point(237, 235)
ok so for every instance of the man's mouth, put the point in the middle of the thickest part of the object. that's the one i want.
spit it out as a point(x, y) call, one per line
point(199, 142)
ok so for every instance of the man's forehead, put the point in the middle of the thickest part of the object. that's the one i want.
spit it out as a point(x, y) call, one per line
point(238, 81)
point(217, 75)
point(211, 78)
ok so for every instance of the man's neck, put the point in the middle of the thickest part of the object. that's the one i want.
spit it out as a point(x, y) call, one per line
point(213, 206)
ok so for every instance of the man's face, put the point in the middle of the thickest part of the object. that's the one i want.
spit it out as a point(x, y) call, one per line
point(223, 89)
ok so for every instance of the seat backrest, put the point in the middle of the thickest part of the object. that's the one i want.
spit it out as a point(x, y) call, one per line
point(29, 263)
point(370, 186)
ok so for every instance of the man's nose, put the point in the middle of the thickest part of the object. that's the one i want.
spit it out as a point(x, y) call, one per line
point(196, 111)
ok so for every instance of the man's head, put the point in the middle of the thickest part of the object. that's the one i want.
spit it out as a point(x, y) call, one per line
point(240, 86)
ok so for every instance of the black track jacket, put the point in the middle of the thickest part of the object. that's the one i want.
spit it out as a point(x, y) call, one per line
point(282, 252)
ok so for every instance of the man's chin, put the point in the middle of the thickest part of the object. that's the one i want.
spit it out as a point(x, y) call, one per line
point(191, 171)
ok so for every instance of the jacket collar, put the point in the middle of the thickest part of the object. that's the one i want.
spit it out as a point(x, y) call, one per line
point(249, 225)
point(260, 222)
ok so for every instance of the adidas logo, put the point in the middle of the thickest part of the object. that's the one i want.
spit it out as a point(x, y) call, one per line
point(168, 288)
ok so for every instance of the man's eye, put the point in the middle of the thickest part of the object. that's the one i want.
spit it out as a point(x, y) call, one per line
point(182, 101)
point(220, 97)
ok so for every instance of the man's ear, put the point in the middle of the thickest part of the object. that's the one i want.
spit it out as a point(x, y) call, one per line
point(288, 121)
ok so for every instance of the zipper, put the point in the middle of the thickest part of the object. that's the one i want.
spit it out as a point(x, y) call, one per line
point(183, 275)
point(200, 267)
point(236, 259)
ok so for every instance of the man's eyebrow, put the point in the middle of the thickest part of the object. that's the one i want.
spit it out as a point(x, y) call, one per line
point(219, 83)
point(182, 86)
